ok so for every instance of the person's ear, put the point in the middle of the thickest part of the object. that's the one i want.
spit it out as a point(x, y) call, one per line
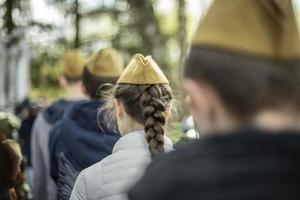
point(205, 105)
point(120, 111)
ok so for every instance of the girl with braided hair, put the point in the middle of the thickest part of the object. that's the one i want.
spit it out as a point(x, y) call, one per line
point(141, 103)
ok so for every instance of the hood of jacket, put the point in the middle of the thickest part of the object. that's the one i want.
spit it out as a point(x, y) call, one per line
point(84, 142)
point(56, 111)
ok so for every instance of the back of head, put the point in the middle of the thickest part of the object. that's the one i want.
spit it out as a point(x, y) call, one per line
point(146, 95)
point(9, 163)
point(73, 64)
point(103, 67)
point(248, 51)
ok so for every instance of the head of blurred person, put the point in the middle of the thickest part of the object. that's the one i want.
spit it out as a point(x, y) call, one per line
point(10, 160)
point(102, 68)
point(243, 68)
point(8, 125)
point(141, 101)
point(71, 78)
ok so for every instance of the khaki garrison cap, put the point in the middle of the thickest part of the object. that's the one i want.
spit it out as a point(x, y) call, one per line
point(142, 70)
point(73, 63)
point(106, 63)
point(265, 28)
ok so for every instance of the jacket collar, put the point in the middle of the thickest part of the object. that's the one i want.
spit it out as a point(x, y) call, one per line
point(137, 140)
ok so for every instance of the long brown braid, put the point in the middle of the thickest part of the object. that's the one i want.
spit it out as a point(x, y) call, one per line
point(147, 104)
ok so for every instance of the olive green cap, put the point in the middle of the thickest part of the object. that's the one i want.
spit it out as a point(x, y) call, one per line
point(142, 70)
point(73, 63)
point(106, 63)
point(8, 123)
point(264, 28)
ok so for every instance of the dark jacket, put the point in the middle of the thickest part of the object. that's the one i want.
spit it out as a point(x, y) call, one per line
point(78, 142)
point(56, 111)
point(25, 137)
point(249, 164)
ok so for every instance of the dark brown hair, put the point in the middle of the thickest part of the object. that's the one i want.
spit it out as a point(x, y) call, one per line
point(9, 162)
point(245, 84)
point(92, 83)
point(146, 104)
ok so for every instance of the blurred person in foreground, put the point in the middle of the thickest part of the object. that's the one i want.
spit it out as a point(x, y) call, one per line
point(141, 102)
point(81, 138)
point(242, 78)
point(70, 81)
point(13, 182)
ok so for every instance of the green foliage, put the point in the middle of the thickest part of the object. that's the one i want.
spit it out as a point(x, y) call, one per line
point(48, 92)
point(168, 23)
point(175, 133)
point(120, 24)
point(45, 71)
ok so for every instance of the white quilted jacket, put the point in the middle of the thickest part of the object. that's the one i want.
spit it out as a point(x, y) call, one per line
point(111, 178)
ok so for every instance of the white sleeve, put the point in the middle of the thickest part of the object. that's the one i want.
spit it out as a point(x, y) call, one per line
point(79, 191)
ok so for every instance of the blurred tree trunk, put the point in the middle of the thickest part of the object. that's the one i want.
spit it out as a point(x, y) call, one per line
point(147, 26)
point(182, 32)
point(77, 24)
point(9, 24)
point(14, 76)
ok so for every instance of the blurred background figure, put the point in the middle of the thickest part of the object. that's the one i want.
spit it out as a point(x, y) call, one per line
point(13, 175)
point(9, 170)
point(188, 128)
point(81, 138)
point(27, 112)
point(70, 80)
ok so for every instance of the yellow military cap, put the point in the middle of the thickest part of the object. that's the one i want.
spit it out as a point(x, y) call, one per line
point(73, 63)
point(142, 70)
point(264, 28)
point(106, 63)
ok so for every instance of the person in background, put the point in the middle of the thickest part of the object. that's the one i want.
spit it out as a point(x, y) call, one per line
point(141, 101)
point(9, 170)
point(27, 112)
point(13, 182)
point(78, 141)
point(70, 81)
point(242, 78)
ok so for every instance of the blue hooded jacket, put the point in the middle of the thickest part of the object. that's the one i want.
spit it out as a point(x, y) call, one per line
point(56, 111)
point(77, 142)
